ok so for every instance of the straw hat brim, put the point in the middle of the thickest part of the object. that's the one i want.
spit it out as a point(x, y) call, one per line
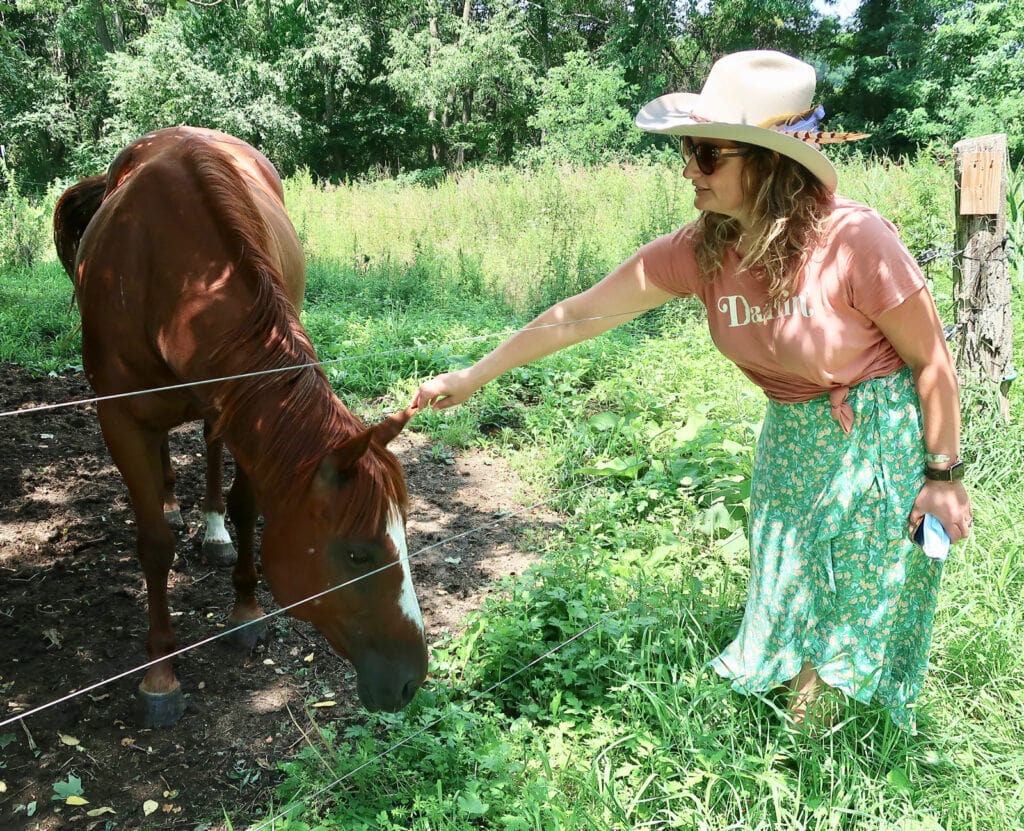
point(670, 114)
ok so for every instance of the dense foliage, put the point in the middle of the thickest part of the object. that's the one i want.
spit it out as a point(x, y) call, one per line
point(350, 88)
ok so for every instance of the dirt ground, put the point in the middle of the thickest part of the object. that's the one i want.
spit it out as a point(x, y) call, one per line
point(73, 613)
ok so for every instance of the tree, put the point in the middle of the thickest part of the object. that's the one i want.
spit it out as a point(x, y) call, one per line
point(580, 112)
point(205, 69)
point(466, 74)
point(713, 28)
point(975, 63)
point(884, 87)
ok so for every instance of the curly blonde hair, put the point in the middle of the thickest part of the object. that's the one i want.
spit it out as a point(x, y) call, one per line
point(787, 204)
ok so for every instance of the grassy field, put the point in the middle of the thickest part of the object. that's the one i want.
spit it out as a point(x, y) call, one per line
point(617, 725)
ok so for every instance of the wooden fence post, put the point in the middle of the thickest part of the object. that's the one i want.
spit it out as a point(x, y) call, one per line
point(983, 335)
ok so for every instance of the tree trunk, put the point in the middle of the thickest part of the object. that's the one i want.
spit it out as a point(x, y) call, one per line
point(467, 95)
point(99, 20)
point(435, 148)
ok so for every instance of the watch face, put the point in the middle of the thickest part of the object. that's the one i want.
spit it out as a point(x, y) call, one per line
point(952, 474)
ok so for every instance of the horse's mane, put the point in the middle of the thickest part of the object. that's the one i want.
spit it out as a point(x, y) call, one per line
point(71, 216)
point(277, 340)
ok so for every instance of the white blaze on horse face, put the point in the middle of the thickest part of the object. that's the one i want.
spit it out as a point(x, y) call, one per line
point(216, 530)
point(407, 599)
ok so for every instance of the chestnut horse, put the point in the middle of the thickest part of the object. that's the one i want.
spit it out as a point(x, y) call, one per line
point(186, 269)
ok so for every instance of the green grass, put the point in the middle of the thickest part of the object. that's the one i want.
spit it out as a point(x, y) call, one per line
point(621, 727)
point(38, 327)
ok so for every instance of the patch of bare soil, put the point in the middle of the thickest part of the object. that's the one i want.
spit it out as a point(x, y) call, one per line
point(73, 613)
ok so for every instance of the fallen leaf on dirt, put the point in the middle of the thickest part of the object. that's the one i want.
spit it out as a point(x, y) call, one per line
point(127, 741)
point(76, 800)
point(308, 658)
point(99, 812)
point(3, 786)
point(68, 789)
point(326, 704)
point(149, 806)
point(70, 741)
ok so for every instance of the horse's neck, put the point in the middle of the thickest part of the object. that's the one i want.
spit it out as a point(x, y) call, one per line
point(281, 433)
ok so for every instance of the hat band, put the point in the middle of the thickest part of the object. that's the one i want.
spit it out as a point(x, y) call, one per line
point(801, 126)
point(806, 121)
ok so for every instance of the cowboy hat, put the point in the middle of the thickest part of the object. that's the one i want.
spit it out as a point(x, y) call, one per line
point(759, 97)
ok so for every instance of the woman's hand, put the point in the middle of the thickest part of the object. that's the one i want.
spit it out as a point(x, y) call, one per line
point(445, 390)
point(949, 503)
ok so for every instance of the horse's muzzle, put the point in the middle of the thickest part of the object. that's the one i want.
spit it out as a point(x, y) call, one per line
point(388, 683)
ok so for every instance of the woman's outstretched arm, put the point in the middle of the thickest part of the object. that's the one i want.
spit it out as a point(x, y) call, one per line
point(623, 295)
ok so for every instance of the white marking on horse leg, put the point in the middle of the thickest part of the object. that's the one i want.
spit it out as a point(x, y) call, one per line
point(407, 600)
point(216, 530)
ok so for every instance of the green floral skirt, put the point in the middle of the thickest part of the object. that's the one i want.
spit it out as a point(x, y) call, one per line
point(834, 580)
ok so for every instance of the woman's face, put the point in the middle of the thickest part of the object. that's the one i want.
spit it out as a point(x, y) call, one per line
point(720, 192)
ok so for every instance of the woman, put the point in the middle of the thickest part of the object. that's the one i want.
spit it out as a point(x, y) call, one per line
point(818, 302)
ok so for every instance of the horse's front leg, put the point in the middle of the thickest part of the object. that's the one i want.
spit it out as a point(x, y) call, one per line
point(247, 610)
point(217, 547)
point(138, 456)
point(172, 510)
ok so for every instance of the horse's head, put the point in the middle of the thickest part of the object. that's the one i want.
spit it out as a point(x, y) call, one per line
point(349, 532)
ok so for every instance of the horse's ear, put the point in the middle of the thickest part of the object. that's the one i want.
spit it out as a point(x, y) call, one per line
point(335, 465)
point(390, 427)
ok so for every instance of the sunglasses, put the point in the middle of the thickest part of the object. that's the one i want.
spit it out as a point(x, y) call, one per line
point(708, 155)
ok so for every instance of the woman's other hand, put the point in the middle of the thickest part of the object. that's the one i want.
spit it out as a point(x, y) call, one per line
point(948, 503)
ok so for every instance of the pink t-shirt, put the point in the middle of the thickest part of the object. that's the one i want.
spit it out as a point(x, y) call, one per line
point(824, 338)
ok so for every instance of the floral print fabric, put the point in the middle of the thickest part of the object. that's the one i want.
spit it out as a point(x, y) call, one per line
point(834, 579)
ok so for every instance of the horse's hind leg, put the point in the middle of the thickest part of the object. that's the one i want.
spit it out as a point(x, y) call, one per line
point(247, 614)
point(138, 456)
point(217, 547)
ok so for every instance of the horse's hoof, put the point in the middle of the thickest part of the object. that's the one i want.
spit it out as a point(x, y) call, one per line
point(247, 636)
point(219, 553)
point(174, 519)
point(161, 709)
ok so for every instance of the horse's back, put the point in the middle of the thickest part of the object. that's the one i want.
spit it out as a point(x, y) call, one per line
point(247, 160)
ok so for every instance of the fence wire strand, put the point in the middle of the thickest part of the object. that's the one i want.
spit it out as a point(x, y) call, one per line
point(321, 363)
point(473, 698)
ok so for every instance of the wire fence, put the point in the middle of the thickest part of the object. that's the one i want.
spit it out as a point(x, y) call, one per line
point(924, 259)
point(453, 708)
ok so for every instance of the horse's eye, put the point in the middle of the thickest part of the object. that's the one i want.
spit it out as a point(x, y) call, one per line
point(347, 554)
point(359, 557)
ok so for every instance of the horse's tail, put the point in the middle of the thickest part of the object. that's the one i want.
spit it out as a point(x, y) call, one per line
point(75, 209)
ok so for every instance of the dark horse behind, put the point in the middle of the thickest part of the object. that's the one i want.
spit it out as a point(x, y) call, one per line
point(186, 268)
